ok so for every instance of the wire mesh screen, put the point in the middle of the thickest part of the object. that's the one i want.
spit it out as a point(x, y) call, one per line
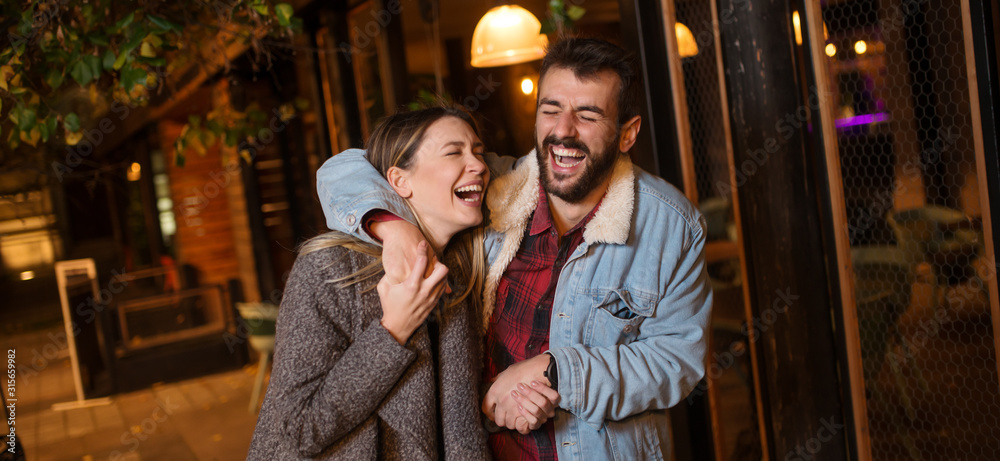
point(904, 130)
point(729, 374)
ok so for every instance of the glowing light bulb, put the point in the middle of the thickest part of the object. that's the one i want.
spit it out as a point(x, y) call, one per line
point(527, 86)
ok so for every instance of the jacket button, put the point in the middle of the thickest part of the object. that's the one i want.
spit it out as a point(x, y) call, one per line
point(628, 328)
point(350, 220)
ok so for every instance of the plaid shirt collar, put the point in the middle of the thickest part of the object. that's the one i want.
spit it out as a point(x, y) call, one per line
point(541, 219)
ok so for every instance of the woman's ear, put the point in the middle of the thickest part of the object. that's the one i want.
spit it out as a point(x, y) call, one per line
point(399, 181)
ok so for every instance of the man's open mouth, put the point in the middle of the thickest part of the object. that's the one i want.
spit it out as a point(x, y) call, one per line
point(566, 158)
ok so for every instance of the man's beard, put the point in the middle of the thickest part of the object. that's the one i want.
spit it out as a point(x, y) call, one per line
point(596, 170)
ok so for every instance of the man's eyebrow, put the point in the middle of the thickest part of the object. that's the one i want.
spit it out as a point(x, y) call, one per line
point(550, 102)
point(594, 109)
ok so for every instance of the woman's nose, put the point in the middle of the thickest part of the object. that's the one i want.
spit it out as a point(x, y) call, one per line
point(476, 165)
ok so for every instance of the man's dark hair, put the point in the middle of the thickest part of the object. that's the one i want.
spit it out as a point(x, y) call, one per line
point(586, 57)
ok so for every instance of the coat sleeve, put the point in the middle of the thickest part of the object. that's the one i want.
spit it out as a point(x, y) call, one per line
point(349, 188)
point(326, 382)
point(661, 366)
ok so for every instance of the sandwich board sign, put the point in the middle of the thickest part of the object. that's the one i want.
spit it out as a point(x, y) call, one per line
point(77, 280)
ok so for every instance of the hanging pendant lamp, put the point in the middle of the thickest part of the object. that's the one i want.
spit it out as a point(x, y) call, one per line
point(507, 34)
point(687, 46)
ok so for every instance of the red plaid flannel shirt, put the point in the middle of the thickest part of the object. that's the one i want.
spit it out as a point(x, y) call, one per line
point(519, 327)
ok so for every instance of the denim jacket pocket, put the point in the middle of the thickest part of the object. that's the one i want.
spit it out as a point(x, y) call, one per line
point(616, 317)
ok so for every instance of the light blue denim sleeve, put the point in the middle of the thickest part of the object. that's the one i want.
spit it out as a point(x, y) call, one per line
point(349, 187)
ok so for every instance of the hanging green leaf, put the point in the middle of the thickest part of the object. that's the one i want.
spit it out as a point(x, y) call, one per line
point(108, 62)
point(132, 76)
point(120, 61)
point(81, 72)
point(134, 41)
point(260, 8)
point(72, 122)
point(575, 12)
point(26, 119)
point(94, 63)
point(283, 12)
point(124, 22)
point(54, 77)
point(152, 61)
point(164, 24)
point(43, 130)
point(99, 40)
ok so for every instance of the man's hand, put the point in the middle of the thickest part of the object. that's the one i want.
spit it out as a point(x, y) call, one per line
point(405, 305)
point(520, 398)
point(400, 251)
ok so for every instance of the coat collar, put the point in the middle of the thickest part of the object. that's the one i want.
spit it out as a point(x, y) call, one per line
point(513, 197)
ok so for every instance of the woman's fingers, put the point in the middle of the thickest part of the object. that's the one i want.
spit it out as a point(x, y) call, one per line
point(529, 411)
point(419, 266)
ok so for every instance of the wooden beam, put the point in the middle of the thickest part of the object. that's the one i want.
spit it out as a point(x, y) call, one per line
point(779, 209)
point(839, 226)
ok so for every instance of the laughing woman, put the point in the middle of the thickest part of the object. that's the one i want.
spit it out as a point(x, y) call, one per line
point(392, 372)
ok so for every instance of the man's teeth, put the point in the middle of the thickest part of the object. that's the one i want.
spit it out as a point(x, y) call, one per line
point(566, 154)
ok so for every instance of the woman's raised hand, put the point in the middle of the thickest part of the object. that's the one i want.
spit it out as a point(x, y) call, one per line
point(405, 305)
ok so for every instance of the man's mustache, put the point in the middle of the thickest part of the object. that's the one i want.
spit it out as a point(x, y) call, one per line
point(569, 143)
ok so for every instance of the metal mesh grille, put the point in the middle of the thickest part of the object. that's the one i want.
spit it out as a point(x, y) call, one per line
point(729, 375)
point(904, 129)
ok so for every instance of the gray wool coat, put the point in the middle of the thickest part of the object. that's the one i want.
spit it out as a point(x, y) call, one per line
point(342, 388)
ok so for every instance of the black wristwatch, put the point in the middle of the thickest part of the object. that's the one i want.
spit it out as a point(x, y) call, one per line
point(552, 373)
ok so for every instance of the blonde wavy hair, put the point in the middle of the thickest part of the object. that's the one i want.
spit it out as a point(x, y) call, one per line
point(394, 142)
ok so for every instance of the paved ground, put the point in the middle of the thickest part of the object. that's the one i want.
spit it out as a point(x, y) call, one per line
point(204, 418)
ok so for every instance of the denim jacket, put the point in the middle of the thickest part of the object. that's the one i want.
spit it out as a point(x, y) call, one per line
point(631, 308)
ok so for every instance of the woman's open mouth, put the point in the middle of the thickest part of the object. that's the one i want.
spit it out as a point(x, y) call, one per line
point(471, 193)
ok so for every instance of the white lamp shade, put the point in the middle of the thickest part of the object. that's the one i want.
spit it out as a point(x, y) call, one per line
point(507, 35)
point(687, 46)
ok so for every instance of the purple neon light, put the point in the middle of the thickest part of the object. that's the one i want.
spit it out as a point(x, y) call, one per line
point(864, 119)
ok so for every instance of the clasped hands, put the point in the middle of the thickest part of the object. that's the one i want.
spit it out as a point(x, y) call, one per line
point(520, 398)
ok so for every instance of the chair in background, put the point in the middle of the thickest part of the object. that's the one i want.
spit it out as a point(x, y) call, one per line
point(260, 320)
point(883, 281)
point(945, 238)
